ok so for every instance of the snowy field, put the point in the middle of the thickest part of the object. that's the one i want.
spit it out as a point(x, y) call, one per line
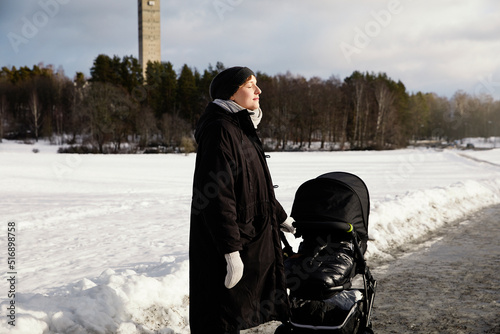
point(101, 241)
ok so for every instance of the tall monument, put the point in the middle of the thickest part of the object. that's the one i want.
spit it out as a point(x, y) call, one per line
point(149, 32)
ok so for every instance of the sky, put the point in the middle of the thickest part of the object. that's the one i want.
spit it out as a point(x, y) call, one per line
point(431, 46)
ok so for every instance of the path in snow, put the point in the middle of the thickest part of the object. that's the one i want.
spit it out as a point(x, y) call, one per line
point(451, 286)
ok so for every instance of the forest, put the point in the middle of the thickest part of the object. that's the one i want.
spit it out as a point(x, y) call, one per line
point(117, 110)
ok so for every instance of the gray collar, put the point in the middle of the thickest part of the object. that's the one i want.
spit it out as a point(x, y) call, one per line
point(233, 107)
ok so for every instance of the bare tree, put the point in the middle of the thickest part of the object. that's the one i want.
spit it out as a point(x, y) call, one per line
point(315, 105)
point(385, 99)
point(110, 112)
point(3, 113)
point(459, 115)
point(358, 97)
point(145, 126)
point(4, 92)
point(174, 128)
point(36, 112)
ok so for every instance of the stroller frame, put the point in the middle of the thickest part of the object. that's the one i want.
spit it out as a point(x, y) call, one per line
point(368, 291)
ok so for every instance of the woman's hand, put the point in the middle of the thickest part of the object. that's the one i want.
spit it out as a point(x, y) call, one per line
point(234, 269)
point(287, 225)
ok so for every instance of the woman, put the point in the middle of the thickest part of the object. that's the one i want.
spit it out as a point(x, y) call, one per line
point(236, 266)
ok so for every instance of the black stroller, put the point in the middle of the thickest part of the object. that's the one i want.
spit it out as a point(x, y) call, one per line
point(331, 288)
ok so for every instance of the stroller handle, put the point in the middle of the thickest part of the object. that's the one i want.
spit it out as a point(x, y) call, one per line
point(335, 225)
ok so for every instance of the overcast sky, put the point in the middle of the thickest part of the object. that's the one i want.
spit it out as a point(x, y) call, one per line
point(439, 46)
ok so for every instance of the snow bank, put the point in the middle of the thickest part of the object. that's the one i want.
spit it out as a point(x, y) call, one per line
point(401, 219)
point(115, 302)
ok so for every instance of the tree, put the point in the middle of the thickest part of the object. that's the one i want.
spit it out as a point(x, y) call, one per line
point(385, 99)
point(125, 72)
point(174, 128)
point(420, 113)
point(357, 90)
point(161, 88)
point(36, 112)
point(278, 106)
point(106, 69)
point(459, 115)
point(438, 109)
point(316, 104)
point(186, 95)
point(111, 113)
point(3, 105)
point(145, 126)
point(77, 119)
point(398, 134)
point(203, 85)
point(130, 73)
point(332, 110)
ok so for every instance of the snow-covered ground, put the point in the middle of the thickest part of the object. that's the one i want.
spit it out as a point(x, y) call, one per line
point(101, 241)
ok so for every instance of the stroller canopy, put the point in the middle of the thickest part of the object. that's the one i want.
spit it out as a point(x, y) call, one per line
point(333, 197)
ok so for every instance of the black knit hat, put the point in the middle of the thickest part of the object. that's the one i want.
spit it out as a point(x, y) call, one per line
point(227, 82)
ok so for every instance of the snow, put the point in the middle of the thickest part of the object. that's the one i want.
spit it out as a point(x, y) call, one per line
point(102, 240)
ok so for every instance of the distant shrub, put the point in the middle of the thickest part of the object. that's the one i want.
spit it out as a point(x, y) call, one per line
point(187, 145)
point(78, 150)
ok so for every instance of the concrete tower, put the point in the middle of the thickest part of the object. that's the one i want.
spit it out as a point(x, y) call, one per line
point(149, 32)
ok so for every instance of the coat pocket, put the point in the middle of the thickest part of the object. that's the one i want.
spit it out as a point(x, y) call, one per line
point(247, 231)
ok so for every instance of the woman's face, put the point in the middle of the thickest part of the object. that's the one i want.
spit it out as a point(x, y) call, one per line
point(247, 95)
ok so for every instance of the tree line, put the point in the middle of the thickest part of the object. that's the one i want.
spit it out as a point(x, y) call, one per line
point(116, 109)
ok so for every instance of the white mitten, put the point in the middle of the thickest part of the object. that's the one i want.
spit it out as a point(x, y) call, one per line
point(234, 269)
point(287, 225)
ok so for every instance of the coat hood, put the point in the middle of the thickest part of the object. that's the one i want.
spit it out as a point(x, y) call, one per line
point(214, 113)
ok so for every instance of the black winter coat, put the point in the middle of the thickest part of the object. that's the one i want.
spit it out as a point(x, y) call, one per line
point(234, 209)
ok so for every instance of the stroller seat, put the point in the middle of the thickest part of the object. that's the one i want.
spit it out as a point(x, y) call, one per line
point(320, 267)
point(336, 311)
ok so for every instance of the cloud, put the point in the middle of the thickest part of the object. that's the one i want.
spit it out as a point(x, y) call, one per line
point(441, 46)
